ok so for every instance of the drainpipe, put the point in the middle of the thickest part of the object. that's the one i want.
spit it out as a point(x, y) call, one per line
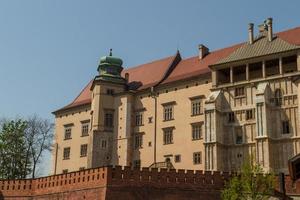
point(55, 165)
point(155, 121)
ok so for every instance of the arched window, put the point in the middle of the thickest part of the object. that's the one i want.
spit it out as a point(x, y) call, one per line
point(278, 97)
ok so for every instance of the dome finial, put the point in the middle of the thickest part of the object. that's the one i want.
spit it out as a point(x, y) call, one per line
point(110, 52)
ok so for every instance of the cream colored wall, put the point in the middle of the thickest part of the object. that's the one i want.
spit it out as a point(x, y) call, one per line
point(75, 161)
point(182, 134)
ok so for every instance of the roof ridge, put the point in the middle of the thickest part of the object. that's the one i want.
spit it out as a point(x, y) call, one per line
point(149, 62)
point(291, 29)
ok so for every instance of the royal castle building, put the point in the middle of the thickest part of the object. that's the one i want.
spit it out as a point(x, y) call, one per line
point(208, 112)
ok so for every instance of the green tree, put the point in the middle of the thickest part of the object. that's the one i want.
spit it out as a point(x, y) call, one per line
point(13, 150)
point(250, 183)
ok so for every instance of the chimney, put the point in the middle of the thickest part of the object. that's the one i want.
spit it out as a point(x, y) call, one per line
point(127, 77)
point(250, 33)
point(270, 29)
point(203, 51)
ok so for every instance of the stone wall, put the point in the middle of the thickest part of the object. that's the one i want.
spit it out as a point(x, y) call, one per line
point(114, 183)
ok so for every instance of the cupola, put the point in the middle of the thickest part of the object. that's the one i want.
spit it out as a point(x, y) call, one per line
point(110, 68)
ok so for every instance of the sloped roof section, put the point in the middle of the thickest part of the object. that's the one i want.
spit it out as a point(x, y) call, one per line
point(148, 75)
point(284, 41)
point(193, 66)
point(82, 99)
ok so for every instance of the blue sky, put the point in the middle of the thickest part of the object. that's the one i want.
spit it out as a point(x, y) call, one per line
point(49, 49)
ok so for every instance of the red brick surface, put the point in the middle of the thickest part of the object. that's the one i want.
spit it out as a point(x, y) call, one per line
point(107, 183)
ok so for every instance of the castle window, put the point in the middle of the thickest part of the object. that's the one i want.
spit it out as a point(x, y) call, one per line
point(108, 121)
point(196, 105)
point(138, 140)
point(238, 135)
point(150, 119)
point(67, 153)
point(255, 70)
point(272, 67)
point(197, 158)
point(239, 91)
point(85, 128)
point(103, 144)
point(285, 127)
point(196, 131)
point(110, 91)
point(289, 64)
point(177, 158)
point(65, 171)
point(139, 119)
point(250, 114)
point(168, 112)
point(168, 136)
point(83, 150)
point(137, 164)
point(278, 97)
point(68, 133)
point(231, 117)
point(239, 73)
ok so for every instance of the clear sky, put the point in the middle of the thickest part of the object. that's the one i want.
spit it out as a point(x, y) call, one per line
point(49, 49)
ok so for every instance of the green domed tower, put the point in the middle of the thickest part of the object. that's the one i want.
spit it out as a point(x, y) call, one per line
point(110, 69)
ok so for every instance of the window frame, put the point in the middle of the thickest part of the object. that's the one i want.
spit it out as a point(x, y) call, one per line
point(66, 153)
point(168, 136)
point(85, 127)
point(196, 105)
point(197, 160)
point(138, 141)
point(83, 150)
point(199, 135)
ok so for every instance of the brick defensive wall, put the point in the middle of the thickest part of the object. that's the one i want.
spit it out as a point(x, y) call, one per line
point(124, 183)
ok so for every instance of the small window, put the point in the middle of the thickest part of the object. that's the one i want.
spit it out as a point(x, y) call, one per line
point(85, 129)
point(238, 135)
point(285, 127)
point(231, 117)
point(168, 136)
point(108, 121)
point(81, 168)
point(240, 91)
point(65, 171)
point(67, 153)
point(197, 158)
point(150, 120)
point(196, 106)
point(138, 141)
point(137, 164)
point(139, 119)
point(83, 150)
point(168, 112)
point(250, 114)
point(110, 92)
point(278, 97)
point(68, 133)
point(196, 131)
point(103, 144)
point(177, 158)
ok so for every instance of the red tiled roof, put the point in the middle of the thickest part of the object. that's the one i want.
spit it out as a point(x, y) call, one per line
point(147, 75)
point(193, 66)
point(291, 36)
point(83, 98)
point(150, 74)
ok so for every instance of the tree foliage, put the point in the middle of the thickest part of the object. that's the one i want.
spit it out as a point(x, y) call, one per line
point(22, 144)
point(12, 150)
point(250, 183)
